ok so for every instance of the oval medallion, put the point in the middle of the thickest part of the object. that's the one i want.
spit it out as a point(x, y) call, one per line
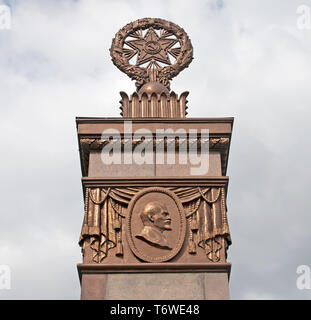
point(156, 225)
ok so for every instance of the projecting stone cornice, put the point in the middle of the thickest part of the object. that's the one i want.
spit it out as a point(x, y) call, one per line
point(90, 132)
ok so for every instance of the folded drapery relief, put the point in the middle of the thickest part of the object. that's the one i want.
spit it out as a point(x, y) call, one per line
point(203, 207)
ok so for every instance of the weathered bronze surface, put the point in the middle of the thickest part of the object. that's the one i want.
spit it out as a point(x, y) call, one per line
point(162, 50)
point(154, 102)
point(157, 219)
point(114, 213)
point(155, 224)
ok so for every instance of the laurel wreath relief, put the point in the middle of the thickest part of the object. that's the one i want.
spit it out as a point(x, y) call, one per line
point(120, 55)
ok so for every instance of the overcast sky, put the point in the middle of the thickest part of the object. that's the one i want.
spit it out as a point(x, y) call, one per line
point(251, 61)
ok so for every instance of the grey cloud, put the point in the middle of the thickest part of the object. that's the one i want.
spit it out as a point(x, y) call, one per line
point(251, 62)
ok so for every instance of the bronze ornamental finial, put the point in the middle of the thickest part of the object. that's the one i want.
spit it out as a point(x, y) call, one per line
point(154, 181)
point(151, 51)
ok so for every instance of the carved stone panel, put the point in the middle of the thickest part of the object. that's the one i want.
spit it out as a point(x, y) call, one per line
point(130, 224)
point(156, 225)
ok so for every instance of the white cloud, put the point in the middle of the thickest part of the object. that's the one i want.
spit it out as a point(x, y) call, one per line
point(251, 62)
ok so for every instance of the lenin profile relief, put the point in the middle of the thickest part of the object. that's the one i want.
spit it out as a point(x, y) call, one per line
point(156, 225)
point(156, 219)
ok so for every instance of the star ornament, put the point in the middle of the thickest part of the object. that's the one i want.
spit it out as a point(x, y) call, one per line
point(151, 47)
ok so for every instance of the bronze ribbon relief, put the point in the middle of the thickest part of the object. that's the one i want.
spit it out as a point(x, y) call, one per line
point(204, 210)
